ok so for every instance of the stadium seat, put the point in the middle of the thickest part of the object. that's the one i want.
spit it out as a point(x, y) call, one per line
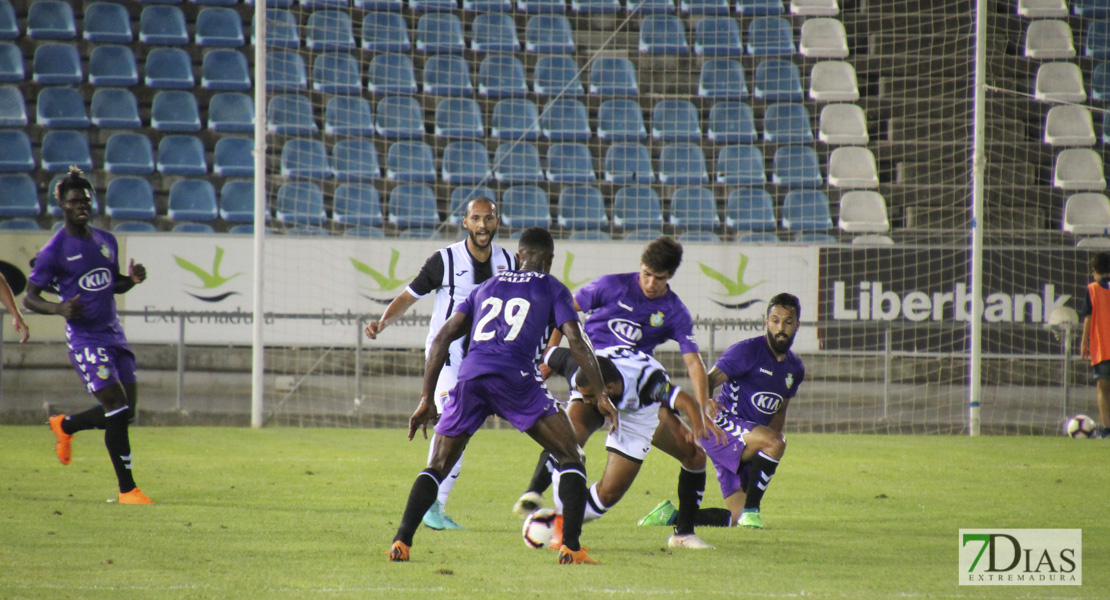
point(385, 32)
point(515, 118)
point(833, 81)
point(233, 157)
point(488, 6)
point(1049, 39)
point(581, 207)
point(1042, 9)
point(1087, 214)
point(129, 154)
point(549, 34)
point(245, 229)
point(9, 25)
point(107, 23)
point(231, 112)
point(699, 237)
point(823, 38)
point(20, 197)
point(1092, 9)
point(175, 111)
point(815, 8)
point(1093, 242)
point(113, 66)
point(1097, 41)
point(203, 228)
point(290, 114)
point(225, 70)
point(440, 32)
point(759, 8)
point(682, 164)
point(220, 27)
point(815, 239)
point(465, 162)
point(717, 36)
point(777, 80)
point(285, 72)
point(758, 238)
point(863, 211)
point(675, 121)
point(525, 206)
point(570, 162)
point(125, 227)
point(163, 26)
point(595, 7)
point(50, 20)
point(536, 7)
point(628, 163)
point(556, 75)
point(517, 162)
point(648, 7)
point(872, 239)
point(853, 167)
point(1061, 82)
point(300, 203)
point(281, 30)
point(169, 68)
point(1069, 125)
point(796, 166)
point(329, 30)
point(806, 210)
point(637, 207)
point(620, 120)
point(324, 4)
point(413, 205)
point(501, 77)
point(461, 196)
point(843, 124)
point(698, 8)
point(423, 6)
point(722, 78)
point(336, 73)
point(694, 208)
point(60, 149)
point(303, 158)
point(129, 198)
point(459, 119)
point(750, 209)
point(613, 76)
point(114, 108)
point(15, 152)
point(237, 202)
point(55, 64)
point(181, 155)
point(13, 107)
point(355, 160)
point(1079, 169)
point(731, 122)
point(740, 165)
point(1104, 136)
point(447, 75)
point(564, 120)
point(770, 36)
point(391, 74)
point(410, 161)
point(787, 123)
point(20, 224)
point(1100, 82)
point(663, 34)
point(494, 32)
point(399, 118)
point(192, 200)
point(61, 108)
point(357, 204)
point(11, 64)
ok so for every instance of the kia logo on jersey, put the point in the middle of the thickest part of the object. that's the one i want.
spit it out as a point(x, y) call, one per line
point(766, 402)
point(628, 331)
point(95, 280)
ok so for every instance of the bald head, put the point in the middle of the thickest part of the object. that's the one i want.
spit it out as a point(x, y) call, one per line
point(481, 225)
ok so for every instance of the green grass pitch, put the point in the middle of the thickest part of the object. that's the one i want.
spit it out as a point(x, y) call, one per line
point(310, 513)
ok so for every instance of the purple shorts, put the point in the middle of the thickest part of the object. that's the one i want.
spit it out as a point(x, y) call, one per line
point(731, 474)
point(522, 401)
point(102, 366)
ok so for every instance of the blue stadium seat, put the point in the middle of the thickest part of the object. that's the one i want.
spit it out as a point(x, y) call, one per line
point(722, 78)
point(285, 72)
point(465, 163)
point(56, 64)
point(440, 32)
point(290, 114)
point(169, 68)
point(515, 118)
point(759, 8)
point(233, 157)
point(750, 209)
point(637, 207)
point(300, 203)
point(398, 118)
point(757, 238)
point(696, 8)
point(163, 26)
point(595, 7)
point(525, 206)
point(537, 7)
point(682, 164)
point(13, 107)
point(549, 34)
point(21, 224)
point(413, 205)
point(181, 155)
point(329, 30)
point(806, 210)
point(125, 227)
point(675, 121)
point(1097, 44)
point(15, 152)
point(704, 237)
point(796, 166)
point(741, 165)
point(61, 108)
point(1092, 9)
point(818, 239)
point(731, 122)
point(113, 66)
point(620, 120)
point(613, 76)
point(355, 160)
point(246, 228)
point(787, 123)
point(324, 4)
point(488, 6)
point(220, 27)
point(129, 154)
point(461, 196)
point(348, 115)
point(175, 110)
point(387, 5)
point(231, 112)
point(581, 207)
point(385, 32)
point(336, 73)
point(129, 198)
point(225, 70)
point(60, 149)
point(717, 36)
point(570, 162)
point(193, 228)
point(357, 204)
point(565, 119)
point(494, 32)
point(663, 34)
point(628, 163)
point(770, 36)
point(410, 161)
point(303, 158)
point(517, 162)
point(11, 64)
point(777, 79)
point(649, 7)
point(694, 208)
point(427, 6)
point(50, 20)
point(447, 75)
point(392, 74)
point(237, 202)
point(107, 24)
point(9, 25)
point(221, 2)
point(459, 119)
point(501, 77)
point(556, 75)
point(192, 200)
point(281, 30)
point(1100, 82)
point(20, 197)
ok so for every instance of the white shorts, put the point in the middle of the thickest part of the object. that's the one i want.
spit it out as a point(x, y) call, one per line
point(448, 377)
point(632, 438)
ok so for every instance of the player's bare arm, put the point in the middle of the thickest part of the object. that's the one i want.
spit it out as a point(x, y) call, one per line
point(779, 420)
point(453, 329)
point(695, 368)
point(583, 353)
point(7, 298)
point(136, 274)
point(392, 314)
point(34, 302)
point(686, 404)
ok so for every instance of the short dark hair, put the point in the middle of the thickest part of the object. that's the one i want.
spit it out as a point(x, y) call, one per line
point(662, 255)
point(481, 198)
point(786, 300)
point(537, 238)
point(74, 181)
point(1100, 263)
point(609, 373)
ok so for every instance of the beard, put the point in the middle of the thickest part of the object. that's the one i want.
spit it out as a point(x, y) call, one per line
point(474, 238)
point(780, 344)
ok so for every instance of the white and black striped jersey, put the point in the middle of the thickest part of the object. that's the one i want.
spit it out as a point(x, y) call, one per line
point(645, 380)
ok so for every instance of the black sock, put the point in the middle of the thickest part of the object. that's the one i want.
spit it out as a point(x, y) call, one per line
point(89, 419)
point(713, 517)
point(541, 477)
point(691, 488)
point(119, 448)
point(421, 498)
point(572, 492)
point(763, 467)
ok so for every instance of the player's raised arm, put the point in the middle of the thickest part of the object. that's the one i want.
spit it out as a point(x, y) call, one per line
point(583, 353)
point(453, 329)
point(136, 274)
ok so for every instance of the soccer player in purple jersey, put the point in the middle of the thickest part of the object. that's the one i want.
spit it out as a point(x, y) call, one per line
point(508, 319)
point(81, 264)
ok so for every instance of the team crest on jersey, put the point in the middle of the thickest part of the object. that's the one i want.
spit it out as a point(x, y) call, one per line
point(107, 252)
point(656, 319)
point(789, 380)
point(102, 372)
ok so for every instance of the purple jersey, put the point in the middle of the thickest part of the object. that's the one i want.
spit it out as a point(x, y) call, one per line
point(85, 266)
point(619, 314)
point(757, 382)
point(511, 318)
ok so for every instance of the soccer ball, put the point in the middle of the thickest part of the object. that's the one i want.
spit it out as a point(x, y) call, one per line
point(539, 527)
point(1080, 427)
